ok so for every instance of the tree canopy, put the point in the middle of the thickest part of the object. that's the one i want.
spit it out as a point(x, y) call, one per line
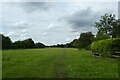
point(85, 40)
point(108, 25)
point(6, 42)
point(39, 45)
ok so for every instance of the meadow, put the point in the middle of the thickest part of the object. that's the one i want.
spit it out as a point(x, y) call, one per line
point(56, 63)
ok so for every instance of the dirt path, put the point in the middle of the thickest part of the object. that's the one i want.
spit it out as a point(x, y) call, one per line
point(59, 65)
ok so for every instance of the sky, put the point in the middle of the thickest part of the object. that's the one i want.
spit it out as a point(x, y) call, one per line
point(52, 22)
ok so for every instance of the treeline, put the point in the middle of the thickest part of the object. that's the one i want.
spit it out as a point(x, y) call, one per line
point(24, 44)
point(83, 41)
point(67, 45)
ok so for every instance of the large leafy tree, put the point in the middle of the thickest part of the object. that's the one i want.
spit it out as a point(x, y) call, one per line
point(29, 43)
point(85, 40)
point(106, 24)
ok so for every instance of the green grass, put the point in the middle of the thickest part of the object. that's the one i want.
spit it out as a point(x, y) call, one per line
point(56, 62)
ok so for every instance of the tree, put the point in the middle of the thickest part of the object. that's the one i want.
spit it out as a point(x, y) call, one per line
point(106, 24)
point(73, 44)
point(6, 42)
point(29, 43)
point(100, 36)
point(39, 45)
point(85, 40)
point(18, 45)
point(116, 29)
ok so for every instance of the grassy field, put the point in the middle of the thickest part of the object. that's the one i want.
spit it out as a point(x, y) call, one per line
point(56, 63)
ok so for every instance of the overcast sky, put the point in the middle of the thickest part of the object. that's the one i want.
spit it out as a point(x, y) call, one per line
point(52, 22)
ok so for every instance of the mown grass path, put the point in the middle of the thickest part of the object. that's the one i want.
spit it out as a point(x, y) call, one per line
point(56, 63)
point(59, 65)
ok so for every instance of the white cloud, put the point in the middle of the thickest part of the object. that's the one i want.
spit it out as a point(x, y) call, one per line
point(44, 34)
point(22, 25)
point(23, 35)
point(1, 32)
point(51, 26)
point(23, 31)
point(11, 34)
point(67, 39)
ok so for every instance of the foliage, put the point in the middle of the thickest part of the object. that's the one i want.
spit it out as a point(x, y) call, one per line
point(108, 25)
point(106, 47)
point(39, 45)
point(58, 46)
point(105, 24)
point(116, 29)
point(28, 43)
point(100, 36)
point(116, 44)
point(23, 44)
point(73, 44)
point(18, 45)
point(85, 40)
point(6, 42)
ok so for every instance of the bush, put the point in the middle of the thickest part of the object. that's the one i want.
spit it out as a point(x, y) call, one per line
point(106, 47)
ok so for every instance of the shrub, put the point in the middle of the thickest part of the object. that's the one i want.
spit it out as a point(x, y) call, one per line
point(106, 47)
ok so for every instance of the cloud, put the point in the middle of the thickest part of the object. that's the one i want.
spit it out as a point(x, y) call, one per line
point(17, 34)
point(51, 26)
point(35, 6)
point(22, 25)
point(19, 30)
point(44, 34)
point(11, 33)
point(23, 31)
point(83, 18)
point(1, 32)
point(67, 39)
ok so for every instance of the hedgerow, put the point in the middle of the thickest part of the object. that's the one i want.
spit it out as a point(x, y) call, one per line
point(106, 47)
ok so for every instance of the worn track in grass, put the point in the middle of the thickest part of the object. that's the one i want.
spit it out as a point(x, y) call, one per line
point(59, 64)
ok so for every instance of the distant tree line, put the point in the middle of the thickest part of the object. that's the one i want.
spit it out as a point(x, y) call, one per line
point(83, 41)
point(24, 44)
point(72, 44)
point(29, 43)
